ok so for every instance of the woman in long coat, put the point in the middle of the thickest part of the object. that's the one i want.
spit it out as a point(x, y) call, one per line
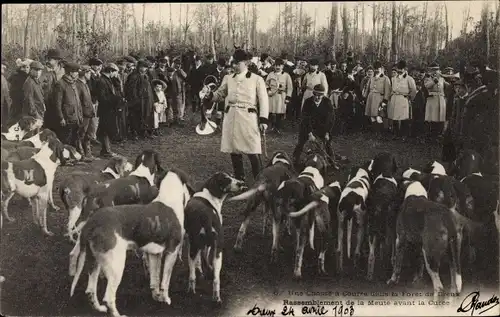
point(279, 100)
point(435, 107)
point(16, 82)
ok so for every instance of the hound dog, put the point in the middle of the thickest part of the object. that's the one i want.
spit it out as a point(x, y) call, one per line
point(484, 190)
point(427, 225)
point(352, 204)
point(73, 187)
point(26, 152)
point(382, 209)
point(35, 141)
point(323, 208)
point(19, 130)
point(33, 179)
point(264, 189)
point(203, 224)
point(156, 229)
point(292, 196)
point(383, 163)
point(138, 187)
point(434, 168)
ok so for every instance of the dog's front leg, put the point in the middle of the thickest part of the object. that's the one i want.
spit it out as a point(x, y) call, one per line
point(113, 266)
point(299, 253)
point(42, 212)
point(217, 264)
point(168, 267)
point(51, 198)
point(340, 241)
point(276, 236)
point(398, 262)
point(6, 206)
point(154, 261)
point(360, 220)
point(372, 242)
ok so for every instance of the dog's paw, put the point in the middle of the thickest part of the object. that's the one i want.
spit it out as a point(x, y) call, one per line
point(391, 281)
point(55, 207)
point(216, 298)
point(156, 295)
point(9, 218)
point(164, 298)
point(47, 232)
point(191, 287)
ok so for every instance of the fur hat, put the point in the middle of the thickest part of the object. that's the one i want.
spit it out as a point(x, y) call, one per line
point(401, 64)
point(240, 55)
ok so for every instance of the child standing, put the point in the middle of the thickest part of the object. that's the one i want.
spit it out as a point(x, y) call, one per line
point(159, 105)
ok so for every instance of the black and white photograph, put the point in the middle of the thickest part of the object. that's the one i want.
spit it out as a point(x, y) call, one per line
point(250, 159)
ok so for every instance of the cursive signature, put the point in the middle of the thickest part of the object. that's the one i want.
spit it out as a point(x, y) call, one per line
point(261, 312)
point(471, 303)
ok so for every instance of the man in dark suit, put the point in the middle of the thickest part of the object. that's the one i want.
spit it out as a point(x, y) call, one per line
point(195, 80)
point(316, 122)
point(109, 99)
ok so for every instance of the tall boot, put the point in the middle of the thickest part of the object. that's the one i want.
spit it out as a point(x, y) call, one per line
point(79, 147)
point(256, 163)
point(87, 150)
point(239, 170)
point(106, 147)
point(279, 121)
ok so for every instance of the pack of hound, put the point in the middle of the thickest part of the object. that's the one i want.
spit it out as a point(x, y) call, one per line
point(154, 210)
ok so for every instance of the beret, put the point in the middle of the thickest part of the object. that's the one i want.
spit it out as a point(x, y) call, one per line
point(95, 62)
point(36, 65)
point(71, 67)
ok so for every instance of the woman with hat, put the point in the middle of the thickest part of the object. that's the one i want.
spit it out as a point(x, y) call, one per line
point(280, 95)
point(16, 81)
point(435, 107)
point(68, 109)
point(403, 92)
point(311, 79)
point(33, 101)
point(159, 105)
point(246, 113)
point(379, 90)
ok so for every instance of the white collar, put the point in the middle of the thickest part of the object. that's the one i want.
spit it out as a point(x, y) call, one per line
point(391, 179)
point(110, 171)
point(143, 171)
point(477, 174)
point(316, 178)
point(214, 201)
point(278, 159)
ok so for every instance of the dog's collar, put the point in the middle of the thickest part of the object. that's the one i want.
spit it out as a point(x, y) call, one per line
point(278, 159)
point(143, 171)
point(391, 179)
point(314, 175)
point(476, 174)
point(109, 170)
point(215, 203)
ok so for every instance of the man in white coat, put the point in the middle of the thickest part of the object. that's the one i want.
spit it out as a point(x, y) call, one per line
point(246, 114)
point(280, 89)
point(311, 79)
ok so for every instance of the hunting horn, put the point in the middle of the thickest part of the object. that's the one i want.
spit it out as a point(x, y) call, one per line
point(207, 126)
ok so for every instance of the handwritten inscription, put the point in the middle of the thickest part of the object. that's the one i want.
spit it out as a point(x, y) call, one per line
point(318, 310)
point(261, 311)
point(471, 303)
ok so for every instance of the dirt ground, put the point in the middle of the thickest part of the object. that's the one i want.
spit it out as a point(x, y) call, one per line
point(36, 266)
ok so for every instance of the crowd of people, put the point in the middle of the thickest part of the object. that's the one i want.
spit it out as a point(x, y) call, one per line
point(133, 98)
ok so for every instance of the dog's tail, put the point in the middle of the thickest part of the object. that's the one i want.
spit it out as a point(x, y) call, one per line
point(77, 262)
point(249, 193)
point(453, 248)
point(313, 204)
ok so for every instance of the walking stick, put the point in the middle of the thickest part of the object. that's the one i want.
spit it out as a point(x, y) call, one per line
point(265, 142)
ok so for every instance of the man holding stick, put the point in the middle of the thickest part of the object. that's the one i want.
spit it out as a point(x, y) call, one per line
point(244, 121)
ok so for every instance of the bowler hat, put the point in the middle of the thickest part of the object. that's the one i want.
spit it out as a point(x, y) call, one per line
point(95, 62)
point(240, 55)
point(36, 65)
point(401, 64)
point(71, 67)
point(54, 53)
point(221, 61)
point(159, 82)
point(278, 62)
point(110, 67)
point(142, 63)
point(377, 65)
point(130, 59)
point(314, 62)
point(319, 89)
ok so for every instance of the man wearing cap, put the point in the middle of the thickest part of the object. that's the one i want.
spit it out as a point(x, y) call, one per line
point(335, 81)
point(96, 67)
point(403, 92)
point(453, 132)
point(379, 91)
point(242, 120)
point(16, 81)
point(280, 96)
point(50, 75)
point(176, 95)
point(131, 63)
point(88, 111)
point(311, 79)
point(287, 68)
point(435, 107)
point(161, 71)
point(109, 99)
point(68, 110)
point(33, 101)
point(195, 80)
point(139, 95)
point(6, 101)
point(316, 122)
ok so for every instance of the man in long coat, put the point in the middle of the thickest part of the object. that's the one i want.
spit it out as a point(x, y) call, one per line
point(50, 75)
point(139, 95)
point(243, 123)
point(34, 103)
point(109, 99)
point(403, 91)
point(6, 101)
point(311, 79)
point(68, 106)
point(379, 90)
point(280, 96)
point(435, 107)
point(96, 67)
point(16, 81)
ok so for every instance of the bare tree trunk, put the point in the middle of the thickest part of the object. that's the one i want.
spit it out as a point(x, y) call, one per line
point(279, 26)
point(186, 23)
point(171, 25)
point(374, 25)
point(394, 34)
point(486, 30)
point(230, 43)
point(447, 24)
point(362, 25)
point(124, 39)
point(26, 31)
point(315, 19)
point(345, 28)
point(143, 25)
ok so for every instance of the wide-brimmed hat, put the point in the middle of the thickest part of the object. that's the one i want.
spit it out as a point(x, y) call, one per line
point(159, 82)
point(71, 67)
point(95, 61)
point(36, 65)
point(54, 53)
point(23, 62)
point(319, 89)
point(240, 56)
